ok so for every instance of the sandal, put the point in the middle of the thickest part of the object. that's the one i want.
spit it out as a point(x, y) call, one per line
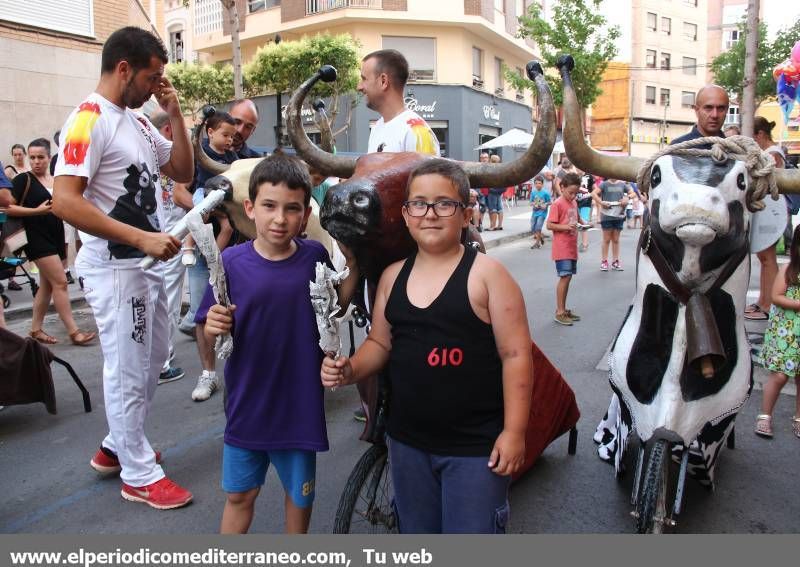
point(759, 315)
point(81, 338)
point(753, 308)
point(796, 426)
point(41, 337)
point(764, 425)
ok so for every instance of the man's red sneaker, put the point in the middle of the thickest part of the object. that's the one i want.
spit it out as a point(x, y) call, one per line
point(105, 461)
point(163, 494)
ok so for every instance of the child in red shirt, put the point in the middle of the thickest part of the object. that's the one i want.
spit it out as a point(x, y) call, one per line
point(563, 221)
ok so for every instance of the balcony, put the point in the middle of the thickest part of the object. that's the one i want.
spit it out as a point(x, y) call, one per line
point(320, 6)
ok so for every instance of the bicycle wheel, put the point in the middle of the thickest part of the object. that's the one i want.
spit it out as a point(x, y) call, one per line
point(652, 508)
point(366, 503)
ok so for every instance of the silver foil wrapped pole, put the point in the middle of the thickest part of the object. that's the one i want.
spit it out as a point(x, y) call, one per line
point(325, 301)
point(203, 235)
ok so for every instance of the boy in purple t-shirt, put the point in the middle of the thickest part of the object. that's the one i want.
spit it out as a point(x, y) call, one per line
point(274, 409)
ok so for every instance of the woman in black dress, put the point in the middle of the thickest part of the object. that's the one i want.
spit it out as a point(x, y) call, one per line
point(45, 243)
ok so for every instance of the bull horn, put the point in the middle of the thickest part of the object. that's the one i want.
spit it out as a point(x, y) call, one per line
point(323, 162)
point(532, 161)
point(788, 180)
point(579, 153)
point(200, 155)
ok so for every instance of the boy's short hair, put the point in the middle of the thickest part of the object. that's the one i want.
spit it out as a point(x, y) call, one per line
point(218, 118)
point(281, 168)
point(539, 178)
point(446, 168)
point(570, 179)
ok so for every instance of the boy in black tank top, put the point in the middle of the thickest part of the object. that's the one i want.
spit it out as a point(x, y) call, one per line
point(451, 324)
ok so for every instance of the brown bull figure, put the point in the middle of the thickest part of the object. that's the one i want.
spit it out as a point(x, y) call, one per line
point(364, 211)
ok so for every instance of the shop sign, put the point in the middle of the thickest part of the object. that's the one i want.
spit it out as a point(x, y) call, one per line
point(424, 110)
point(306, 113)
point(490, 112)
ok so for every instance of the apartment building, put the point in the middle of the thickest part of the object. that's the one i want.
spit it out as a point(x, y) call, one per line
point(50, 59)
point(456, 50)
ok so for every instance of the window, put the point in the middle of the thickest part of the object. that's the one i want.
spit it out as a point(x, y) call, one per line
point(687, 99)
point(651, 21)
point(500, 5)
point(256, 5)
point(650, 95)
point(731, 37)
point(665, 61)
point(650, 58)
point(176, 46)
point(499, 83)
point(420, 53)
point(477, 67)
point(689, 66)
point(690, 31)
point(666, 25)
point(69, 16)
point(733, 115)
point(664, 97)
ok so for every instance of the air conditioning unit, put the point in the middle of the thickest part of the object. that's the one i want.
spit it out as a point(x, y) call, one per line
point(499, 91)
point(477, 82)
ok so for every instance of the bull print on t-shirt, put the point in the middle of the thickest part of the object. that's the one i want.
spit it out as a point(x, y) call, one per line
point(137, 208)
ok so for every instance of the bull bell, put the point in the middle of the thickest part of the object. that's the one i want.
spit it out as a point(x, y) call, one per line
point(704, 350)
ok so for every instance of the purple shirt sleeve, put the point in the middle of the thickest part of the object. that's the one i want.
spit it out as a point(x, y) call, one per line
point(205, 305)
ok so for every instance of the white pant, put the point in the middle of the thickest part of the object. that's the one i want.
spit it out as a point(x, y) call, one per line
point(130, 309)
point(174, 272)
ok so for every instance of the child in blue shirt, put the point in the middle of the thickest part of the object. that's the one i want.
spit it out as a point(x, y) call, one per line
point(274, 408)
point(540, 202)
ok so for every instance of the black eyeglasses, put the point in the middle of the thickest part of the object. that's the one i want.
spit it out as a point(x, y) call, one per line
point(440, 208)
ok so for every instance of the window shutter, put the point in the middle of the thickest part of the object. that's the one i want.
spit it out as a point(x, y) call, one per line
point(69, 16)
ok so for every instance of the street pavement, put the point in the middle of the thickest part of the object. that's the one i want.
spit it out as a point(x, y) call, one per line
point(50, 488)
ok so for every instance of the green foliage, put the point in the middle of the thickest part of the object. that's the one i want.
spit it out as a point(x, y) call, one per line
point(282, 67)
point(576, 28)
point(728, 67)
point(198, 85)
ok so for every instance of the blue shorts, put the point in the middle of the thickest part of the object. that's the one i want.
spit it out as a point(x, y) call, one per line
point(585, 213)
point(494, 203)
point(245, 469)
point(537, 223)
point(566, 267)
point(612, 224)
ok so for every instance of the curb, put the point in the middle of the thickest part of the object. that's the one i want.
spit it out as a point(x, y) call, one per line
point(494, 243)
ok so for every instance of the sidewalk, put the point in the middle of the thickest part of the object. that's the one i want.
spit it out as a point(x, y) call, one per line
point(516, 225)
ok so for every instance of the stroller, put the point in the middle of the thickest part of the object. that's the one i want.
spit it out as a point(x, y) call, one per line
point(8, 269)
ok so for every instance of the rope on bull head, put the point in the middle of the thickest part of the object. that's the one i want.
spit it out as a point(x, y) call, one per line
point(760, 165)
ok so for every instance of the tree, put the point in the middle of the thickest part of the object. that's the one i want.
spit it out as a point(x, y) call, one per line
point(728, 67)
point(233, 16)
point(282, 67)
point(577, 28)
point(198, 85)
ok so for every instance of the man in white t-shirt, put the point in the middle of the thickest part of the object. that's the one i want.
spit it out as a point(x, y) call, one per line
point(108, 185)
point(384, 75)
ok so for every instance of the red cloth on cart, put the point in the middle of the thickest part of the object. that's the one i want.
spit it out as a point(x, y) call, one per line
point(554, 410)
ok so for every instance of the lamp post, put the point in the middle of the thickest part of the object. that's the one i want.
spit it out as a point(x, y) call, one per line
point(279, 116)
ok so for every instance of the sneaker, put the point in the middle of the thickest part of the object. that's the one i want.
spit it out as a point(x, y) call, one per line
point(573, 316)
point(616, 266)
point(360, 415)
point(163, 494)
point(188, 258)
point(171, 375)
point(604, 266)
point(70, 279)
point(14, 286)
point(206, 385)
point(105, 461)
point(563, 319)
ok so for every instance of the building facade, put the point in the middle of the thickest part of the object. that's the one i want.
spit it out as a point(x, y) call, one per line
point(456, 51)
point(50, 59)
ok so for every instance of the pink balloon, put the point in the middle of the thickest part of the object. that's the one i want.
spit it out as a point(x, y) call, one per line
point(796, 53)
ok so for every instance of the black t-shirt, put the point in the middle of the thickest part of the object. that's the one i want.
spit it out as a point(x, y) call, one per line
point(445, 374)
point(45, 232)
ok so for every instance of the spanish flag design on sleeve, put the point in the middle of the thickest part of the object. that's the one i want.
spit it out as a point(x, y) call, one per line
point(424, 135)
point(79, 134)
